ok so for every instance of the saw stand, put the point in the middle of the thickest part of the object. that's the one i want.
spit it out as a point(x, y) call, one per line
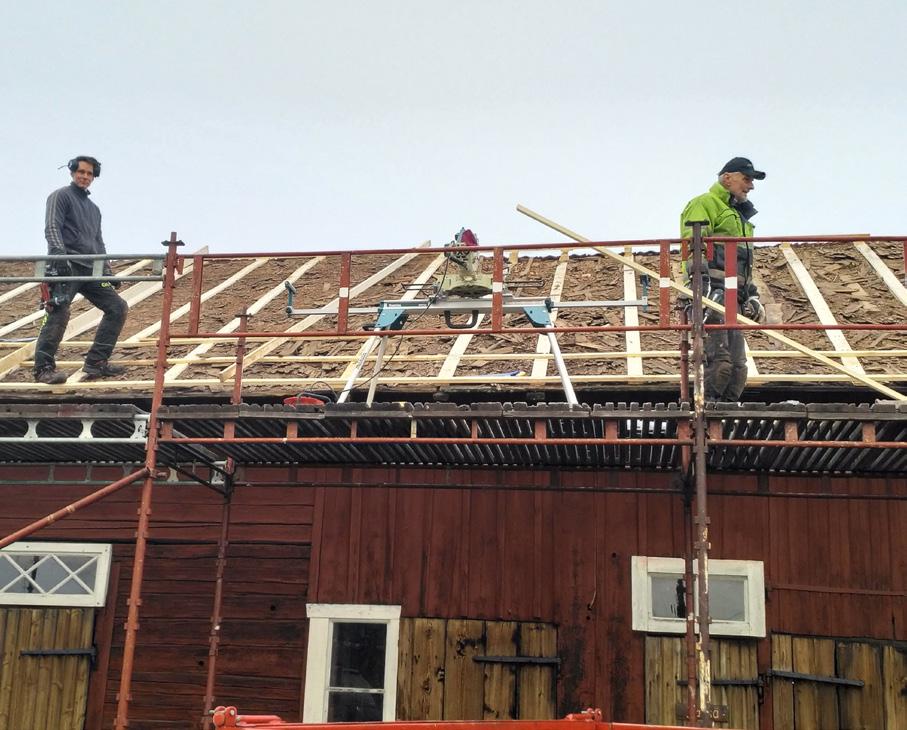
point(392, 315)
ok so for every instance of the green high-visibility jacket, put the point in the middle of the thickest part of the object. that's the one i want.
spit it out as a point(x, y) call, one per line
point(724, 219)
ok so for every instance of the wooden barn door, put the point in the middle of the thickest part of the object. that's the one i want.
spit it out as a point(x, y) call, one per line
point(46, 653)
point(460, 669)
point(734, 673)
point(834, 684)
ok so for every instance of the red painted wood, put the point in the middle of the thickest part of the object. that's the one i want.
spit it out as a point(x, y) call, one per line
point(833, 566)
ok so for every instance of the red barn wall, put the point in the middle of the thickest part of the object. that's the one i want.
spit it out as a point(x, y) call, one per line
point(833, 567)
point(460, 543)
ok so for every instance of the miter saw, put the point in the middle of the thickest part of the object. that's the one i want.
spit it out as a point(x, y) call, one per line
point(465, 278)
point(460, 290)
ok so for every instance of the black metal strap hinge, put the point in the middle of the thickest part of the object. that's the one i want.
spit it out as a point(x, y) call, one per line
point(91, 652)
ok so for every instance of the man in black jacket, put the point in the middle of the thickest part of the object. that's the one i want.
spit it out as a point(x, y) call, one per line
point(73, 226)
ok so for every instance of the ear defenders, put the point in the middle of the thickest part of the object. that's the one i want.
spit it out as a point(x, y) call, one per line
point(73, 164)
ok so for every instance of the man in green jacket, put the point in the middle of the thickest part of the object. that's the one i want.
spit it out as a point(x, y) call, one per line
point(727, 209)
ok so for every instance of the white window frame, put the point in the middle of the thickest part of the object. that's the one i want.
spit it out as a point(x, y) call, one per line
point(643, 568)
point(98, 594)
point(322, 618)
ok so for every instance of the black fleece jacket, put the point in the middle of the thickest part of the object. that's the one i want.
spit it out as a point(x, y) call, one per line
point(72, 223)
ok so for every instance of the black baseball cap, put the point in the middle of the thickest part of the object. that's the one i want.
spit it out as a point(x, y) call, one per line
point(741, 164)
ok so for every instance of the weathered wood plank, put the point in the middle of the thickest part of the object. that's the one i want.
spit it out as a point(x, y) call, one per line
point(861, 707)
point(9, 627)
point(537, 698)
point(815, 705)
point(664, 667)
point(737, 660)
point(894, 670)
point(84, 620)
point(464, 678)
point(428, 661)
point(782, 689)
point(500, 679)
point(44, 666)
point(405, 670)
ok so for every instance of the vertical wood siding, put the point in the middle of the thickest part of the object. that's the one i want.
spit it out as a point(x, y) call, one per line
point(263, 640)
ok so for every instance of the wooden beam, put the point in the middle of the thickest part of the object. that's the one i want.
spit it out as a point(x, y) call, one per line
point(215, 384)
point(885, 273)
point(543, 344)
point(408, 296)
point(751, 370)
point(304, 324)
point(457, 350)
point(773, 334)
point(174, 372)
point(214, 360)
point(819, 305)
point(631, 318)
point(213, 291)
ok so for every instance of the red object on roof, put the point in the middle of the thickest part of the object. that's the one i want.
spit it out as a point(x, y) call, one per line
point(303, 400)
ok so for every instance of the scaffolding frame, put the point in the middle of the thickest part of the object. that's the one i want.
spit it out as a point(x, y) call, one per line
point(693, 436)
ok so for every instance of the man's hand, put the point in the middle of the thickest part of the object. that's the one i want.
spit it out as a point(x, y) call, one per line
point(58, 268)
point(753, 309)
point(709, 315)
point(109, 272)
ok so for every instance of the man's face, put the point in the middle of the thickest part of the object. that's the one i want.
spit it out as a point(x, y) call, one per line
point(738, 185)
point(83, 175)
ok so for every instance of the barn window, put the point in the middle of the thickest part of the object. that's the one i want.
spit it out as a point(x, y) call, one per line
point(736, 596)
point(351, 665)
point(54, 574)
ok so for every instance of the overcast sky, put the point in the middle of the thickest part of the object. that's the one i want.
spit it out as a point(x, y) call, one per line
point(276, 125)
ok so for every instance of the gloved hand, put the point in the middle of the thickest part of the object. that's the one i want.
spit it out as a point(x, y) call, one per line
point(753, 309)
point(58, 268)
point(109, 272)
point(709, 315)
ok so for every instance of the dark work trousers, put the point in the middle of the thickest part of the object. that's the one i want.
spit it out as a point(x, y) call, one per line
point(725, 365)
point(105, 298)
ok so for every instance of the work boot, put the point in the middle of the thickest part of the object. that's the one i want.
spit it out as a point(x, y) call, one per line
point(102, 369)
point(50, 376)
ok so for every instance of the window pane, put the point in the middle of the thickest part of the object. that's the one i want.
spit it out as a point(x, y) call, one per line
point(668, 596)
point(357, 656)
point(355, 707)
point(727, 598)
